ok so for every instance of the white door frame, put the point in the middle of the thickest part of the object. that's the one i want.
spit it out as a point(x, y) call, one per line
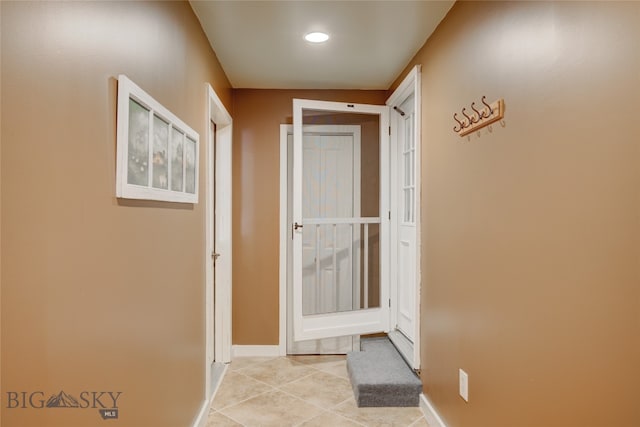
point(410, 86)
point(284, 235)
point(218, 300)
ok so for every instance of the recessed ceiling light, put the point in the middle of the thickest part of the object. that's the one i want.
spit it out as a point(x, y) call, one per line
point(317, 37)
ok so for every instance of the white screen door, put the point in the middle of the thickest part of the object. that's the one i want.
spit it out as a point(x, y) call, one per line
point(341, 228)
point(325, 147)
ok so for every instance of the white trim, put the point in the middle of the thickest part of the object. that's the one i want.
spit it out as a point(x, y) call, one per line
point(256, 351)
point(430, 413)
point(403, 345)
point(407, 87)
point(218, 300)
point(284, 233)
point(411, 85)
point(203, 413)
point(354, 220)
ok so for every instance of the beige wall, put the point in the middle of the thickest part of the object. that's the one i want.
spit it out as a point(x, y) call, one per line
point(531, 240)
point(531, 232)
point(98, 294)
point(257, 115)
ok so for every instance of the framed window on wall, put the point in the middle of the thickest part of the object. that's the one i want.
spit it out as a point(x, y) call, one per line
point(157, 153)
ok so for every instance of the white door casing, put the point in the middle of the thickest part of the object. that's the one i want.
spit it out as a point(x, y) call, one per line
point(217, 236)
point(405, 223)
point(347, 322)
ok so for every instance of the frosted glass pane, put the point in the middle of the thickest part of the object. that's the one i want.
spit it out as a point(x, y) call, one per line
point(177, 148)
point(190, 166)
point(407, 169)
point(159, 163)
point(138, 150)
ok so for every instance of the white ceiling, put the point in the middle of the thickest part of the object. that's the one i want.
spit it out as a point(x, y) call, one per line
point(260, 44)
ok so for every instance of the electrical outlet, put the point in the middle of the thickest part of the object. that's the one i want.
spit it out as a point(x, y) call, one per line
point(464, 385)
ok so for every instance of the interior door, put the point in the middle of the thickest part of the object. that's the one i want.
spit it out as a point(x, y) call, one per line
point(211, 350)
point(406, 221)
point(404, 106)
point(340, 244)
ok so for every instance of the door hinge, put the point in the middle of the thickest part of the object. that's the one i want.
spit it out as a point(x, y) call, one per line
point(389, 302)
point(389, 130)
point(389, 215)
point(215, 255)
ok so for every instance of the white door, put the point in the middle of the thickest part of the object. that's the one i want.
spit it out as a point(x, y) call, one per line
point(404, 104)
point(340, 258)
point(211, 211)
point(335, 151)
point(406, 221)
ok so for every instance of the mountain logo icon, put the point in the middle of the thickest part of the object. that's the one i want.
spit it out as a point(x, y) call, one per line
point(62, 400)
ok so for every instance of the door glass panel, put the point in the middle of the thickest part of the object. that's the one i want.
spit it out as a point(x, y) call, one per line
point(340, 211)
point(408, 164)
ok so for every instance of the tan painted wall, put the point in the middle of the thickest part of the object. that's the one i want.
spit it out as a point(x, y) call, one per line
point(531, 232)
point(257, 115)
point(97, 294)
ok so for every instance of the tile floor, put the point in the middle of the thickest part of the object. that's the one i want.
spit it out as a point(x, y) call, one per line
point(297, 391)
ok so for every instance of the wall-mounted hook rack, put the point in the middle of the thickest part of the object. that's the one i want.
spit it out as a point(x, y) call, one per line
point(479, 118)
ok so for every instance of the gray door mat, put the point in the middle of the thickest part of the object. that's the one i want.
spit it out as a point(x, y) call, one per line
point(380, 377)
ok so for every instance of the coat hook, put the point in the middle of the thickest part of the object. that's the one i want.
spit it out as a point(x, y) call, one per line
point(455, 117)
point(465, 114)
point(478, 113)
point(488, 107)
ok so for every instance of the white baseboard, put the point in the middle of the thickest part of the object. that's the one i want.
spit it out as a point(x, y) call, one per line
point(203, 414)
point(201, 419)
point(256, 350)
point(430, 413)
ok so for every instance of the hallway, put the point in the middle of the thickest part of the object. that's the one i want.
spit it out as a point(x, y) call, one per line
point(297, 391)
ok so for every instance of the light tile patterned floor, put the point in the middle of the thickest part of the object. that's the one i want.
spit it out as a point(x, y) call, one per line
point(297, 391)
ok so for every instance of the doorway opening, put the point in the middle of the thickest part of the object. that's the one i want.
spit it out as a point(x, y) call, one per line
point(404, 105)
point(345, 273)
